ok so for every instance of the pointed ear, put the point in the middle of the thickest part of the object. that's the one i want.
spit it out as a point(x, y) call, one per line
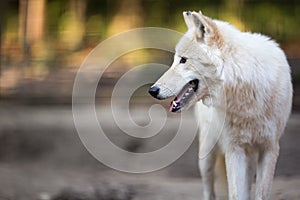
point(187, 15)
point(199, 26)
point(205, 28)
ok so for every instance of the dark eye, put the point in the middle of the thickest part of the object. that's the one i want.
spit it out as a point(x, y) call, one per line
point(182, 60)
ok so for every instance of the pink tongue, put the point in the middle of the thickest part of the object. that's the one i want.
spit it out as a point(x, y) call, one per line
point(179, 97)
point(171, 106)
point(181, 94)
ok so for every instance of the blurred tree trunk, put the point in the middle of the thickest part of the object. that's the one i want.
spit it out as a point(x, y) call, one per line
point(72, 25)
point(78, 11)
point(78, 7)
point(32, 22)
point(2, 13)
point(23, 12)
point(35, 20)
point(129, 15)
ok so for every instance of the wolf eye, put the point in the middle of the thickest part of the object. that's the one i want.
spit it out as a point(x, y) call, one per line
point(182, 60)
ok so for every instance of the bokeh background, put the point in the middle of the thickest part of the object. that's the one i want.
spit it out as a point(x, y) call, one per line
point(42, 45)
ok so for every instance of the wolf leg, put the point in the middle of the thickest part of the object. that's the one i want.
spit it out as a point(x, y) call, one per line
point(206, 166)
point(237, 174)
point(265, 172)
point(208, 147)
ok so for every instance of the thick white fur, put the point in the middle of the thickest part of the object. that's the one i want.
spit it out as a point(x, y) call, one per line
point(244, 101)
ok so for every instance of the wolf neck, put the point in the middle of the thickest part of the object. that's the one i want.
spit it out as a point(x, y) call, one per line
point(238, 95)
point(238, 91)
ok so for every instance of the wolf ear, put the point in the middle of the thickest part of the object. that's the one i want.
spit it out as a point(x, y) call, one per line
point(187, 15)
point(199, 26)
point(205, 28)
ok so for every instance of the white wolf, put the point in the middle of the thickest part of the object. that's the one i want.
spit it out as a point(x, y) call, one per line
point(242, 84)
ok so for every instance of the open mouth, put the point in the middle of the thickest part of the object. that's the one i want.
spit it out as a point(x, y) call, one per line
point(184, 96)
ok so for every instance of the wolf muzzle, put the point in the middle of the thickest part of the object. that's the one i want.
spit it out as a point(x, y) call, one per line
point(154, 91)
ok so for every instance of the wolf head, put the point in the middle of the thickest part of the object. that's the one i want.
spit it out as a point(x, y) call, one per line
point(196, 72)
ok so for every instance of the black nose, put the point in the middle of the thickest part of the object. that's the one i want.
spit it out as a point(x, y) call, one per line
point(154, 91)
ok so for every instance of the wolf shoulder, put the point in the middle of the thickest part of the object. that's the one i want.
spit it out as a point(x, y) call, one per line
point(259, 49)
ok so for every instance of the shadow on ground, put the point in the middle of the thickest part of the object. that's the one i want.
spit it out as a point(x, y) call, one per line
point(42, 157)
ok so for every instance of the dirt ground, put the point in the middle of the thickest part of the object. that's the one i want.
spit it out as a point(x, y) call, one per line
point(42, 157)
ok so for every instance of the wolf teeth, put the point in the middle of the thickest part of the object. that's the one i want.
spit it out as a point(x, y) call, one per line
point(174, 103)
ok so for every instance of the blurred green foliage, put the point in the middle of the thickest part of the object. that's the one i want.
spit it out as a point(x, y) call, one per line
point(45, 40)
point(75, 25)
point(279, 18)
